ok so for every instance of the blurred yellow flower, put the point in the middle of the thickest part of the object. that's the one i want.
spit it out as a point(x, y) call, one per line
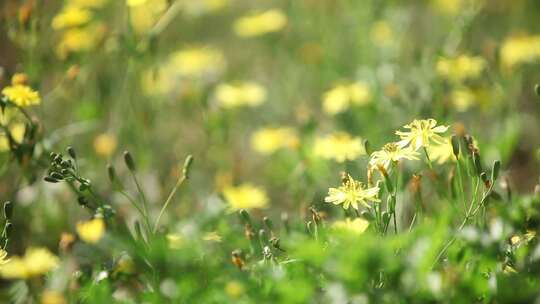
point(448, 7)
point(341, 97)
point(17, 134)
point(79, 40)
point(352, 193)
point(52, 297)
point(71, 16)
point(422, 133)
point(3, 257)
point(517, 50)
point(339, 147)
point(234, 289)
point(200, 7)
point(269, 140)
point(35, 262)
point(240, 94)
point(381, 33)
point(174, 240)
point(211, 236)
point(442, 152)
point(462, 99)
point(198, 61)
point(144, 14)
point(21, 95)
point(257, 24)
point(391, 153)
point(356, 226)
point(105, 144)
point(245, 196)
point(91, 231)
point(460, 68)
point(19, 78)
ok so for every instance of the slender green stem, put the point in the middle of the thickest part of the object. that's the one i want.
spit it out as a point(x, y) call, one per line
point(470, 214)
point(169, 198)
point(141, 193)
point(427, 158)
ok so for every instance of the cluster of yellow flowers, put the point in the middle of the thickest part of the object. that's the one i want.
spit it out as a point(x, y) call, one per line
point(341, 97)
point(75, 21)
point(35, 262)
point(421, 134)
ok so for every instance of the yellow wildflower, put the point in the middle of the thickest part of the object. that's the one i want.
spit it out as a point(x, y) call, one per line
point(269, 140)
point(449, 7)
point(442, 152)
point(462, 99)
point(79, 40)
point(381, 33)
point(196, 8)
point(339, 147)
point(105, 144)
point(175, 240)
point(241, 94)
point(197, 62)
point(422, 133)
point(71, 16)
point(143, 14)
point(19, 78)
point(356, 226)
point(460, 68)
point(35, 262)
point(52, 297)
point(341, 97)
point(520, 49)
point(257, 24)
point(21, 95)
point(245, 196)
point(91, 231)
point(352, 193)
point(234, 289)
point(391, 153)
point(212, 236)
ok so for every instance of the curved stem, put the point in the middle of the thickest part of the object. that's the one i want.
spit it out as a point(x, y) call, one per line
point(169, 198)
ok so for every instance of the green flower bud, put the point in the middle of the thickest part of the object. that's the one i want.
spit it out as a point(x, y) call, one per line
point(128, 159)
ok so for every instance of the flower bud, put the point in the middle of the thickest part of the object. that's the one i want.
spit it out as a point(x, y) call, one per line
point(537, 89)
point(268, 223)
point(455, 145)
point(50, 179)
point(187, 166)
point(495, 170)
point(71, 152)
point(8, 209)
point(245, 216)
point(128, 159)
